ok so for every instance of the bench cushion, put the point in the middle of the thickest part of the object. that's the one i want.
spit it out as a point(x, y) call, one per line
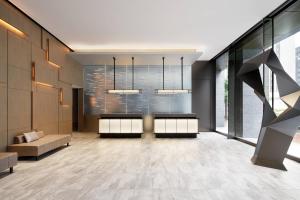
point(19, 139)
point(31, 136)
point(40, 146)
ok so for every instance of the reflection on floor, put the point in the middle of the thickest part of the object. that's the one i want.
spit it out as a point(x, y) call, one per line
point(223, 129)
point(294, 149)
point(209, 167)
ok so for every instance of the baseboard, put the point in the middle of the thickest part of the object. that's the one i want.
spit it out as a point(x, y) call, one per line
point(176, 135)
point(120, 135)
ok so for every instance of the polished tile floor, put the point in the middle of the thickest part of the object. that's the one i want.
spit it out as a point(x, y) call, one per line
point(209, 167)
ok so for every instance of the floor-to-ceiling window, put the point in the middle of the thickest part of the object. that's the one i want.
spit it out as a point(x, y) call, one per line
point(287, 48)
point(252, 106)
point(280, 31)
point(222, 93)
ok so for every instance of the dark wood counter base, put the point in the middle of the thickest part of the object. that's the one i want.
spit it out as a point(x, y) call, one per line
point(176, 135)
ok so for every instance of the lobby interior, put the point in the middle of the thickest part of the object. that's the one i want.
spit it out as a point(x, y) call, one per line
point(133, 100)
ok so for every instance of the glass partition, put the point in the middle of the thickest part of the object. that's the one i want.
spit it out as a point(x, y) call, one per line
point(222, 94)
point(252, 105)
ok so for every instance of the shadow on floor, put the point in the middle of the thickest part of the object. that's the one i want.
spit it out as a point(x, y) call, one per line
point(4, 174)
point(45, 155)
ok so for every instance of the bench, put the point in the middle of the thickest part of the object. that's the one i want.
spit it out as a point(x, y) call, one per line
point(8, 161)
point(43, 144)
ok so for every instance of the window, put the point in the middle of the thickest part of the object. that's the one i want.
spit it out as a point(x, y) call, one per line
point(287, 48)
point(282, 32)
point(222, 94)
point(252, 105)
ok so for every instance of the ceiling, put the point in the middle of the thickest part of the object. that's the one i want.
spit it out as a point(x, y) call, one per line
point(98, 25)
point(140, 58)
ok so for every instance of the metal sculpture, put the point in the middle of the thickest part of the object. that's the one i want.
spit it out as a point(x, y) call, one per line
point(276, 132)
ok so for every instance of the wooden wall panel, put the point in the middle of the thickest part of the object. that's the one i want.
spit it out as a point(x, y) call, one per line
point(65, 126)
point(19, 79)
point(67, 93)
point(44, 72)
point(71, 72)
point(3, 89)
point(17, 19)
point(3, 117)
point(45, 109)
point(78, 75)
point(11, 15)
point(33, 31)
point(65, 110)
point(24, 103)
point(19, 112)
point(57, 53)
point(19, 85)
point(3, 55)
point(19, 52)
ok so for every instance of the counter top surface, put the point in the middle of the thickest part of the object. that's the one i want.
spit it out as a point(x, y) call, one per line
point(174, 115)
point(121, 116)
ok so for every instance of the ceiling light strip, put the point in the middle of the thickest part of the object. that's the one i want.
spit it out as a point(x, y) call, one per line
point(12, 28)
point(53, 64)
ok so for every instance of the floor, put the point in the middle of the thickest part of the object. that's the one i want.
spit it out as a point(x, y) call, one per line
point(209, 167)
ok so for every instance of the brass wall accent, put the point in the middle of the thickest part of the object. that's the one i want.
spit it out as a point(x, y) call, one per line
point(33, 71)
point(61, 96)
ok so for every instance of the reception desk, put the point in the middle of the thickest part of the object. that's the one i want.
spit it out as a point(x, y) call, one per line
point(175, 125)
point(121, 125)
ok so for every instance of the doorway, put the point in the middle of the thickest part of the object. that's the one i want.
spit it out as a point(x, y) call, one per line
point(77, 109)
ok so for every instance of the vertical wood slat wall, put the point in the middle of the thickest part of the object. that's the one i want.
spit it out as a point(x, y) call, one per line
point(24, 104)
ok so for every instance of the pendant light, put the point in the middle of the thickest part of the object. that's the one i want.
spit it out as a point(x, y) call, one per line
point(126, 91)
point(172, 91)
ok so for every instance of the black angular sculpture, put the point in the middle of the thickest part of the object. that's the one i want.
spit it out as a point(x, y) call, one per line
point(276, 132)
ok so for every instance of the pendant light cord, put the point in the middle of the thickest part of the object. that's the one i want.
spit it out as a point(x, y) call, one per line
point(163, 58)
point(181, 73)
point(114, 73)
point(132, 59)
